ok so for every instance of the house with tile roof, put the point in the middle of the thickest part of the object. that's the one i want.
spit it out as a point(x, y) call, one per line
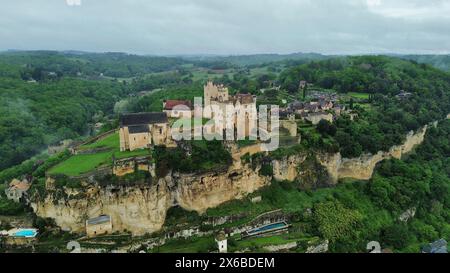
point(178, 108)
point(17, 189)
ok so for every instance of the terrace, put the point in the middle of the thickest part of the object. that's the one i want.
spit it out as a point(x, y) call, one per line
point(94, 155)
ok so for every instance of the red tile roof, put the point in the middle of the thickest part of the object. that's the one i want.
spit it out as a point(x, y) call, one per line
point(170, 104)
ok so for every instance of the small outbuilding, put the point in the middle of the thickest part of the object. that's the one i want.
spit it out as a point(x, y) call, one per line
point(17, 190)
point(222, 243)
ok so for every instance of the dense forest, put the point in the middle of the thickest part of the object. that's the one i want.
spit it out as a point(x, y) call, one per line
point(33, 115)
point(117, 65)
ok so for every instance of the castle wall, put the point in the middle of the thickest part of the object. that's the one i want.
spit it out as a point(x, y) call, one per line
point(139, 141)
point(315, 119)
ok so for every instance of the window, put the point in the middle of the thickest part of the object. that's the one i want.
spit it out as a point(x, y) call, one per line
point(160, 131)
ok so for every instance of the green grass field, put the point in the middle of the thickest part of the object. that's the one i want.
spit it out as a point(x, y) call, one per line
point(355, 95)
point(202, 74)
point(80, 164)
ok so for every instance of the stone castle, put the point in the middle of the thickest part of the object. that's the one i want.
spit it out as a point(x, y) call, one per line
point(143, 130)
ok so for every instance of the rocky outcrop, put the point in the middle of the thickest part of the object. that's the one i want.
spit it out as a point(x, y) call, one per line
point(290, 167)
point(139, 209)
point(142, 208)
point(200, 192)
point(287, 169)
point(362, 167)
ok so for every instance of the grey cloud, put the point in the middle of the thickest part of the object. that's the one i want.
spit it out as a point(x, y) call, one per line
point(228, 27)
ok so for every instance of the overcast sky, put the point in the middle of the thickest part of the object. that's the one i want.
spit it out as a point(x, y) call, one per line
point(227, 26)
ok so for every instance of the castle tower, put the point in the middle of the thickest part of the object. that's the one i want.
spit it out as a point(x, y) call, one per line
point(212, 92)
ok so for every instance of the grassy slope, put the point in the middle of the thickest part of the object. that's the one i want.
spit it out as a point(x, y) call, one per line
point(79, 164)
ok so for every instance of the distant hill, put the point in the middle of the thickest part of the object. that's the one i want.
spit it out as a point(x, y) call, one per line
point(438, 61)
point(257, 59)
point(119, 65)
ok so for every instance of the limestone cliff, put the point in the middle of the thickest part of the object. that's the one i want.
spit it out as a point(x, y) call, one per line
point(200, 192)
point(363, 166)
point(289, 168)
point(142, 208)
point(139, 209)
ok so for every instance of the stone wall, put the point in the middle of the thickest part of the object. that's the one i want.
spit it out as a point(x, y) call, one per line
point(125, 166)
point(75, 149)
point(290, 125)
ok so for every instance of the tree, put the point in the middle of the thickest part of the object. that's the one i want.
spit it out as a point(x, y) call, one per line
point(334, 221)
point(305, 89)
point(324, 127)
point(397, 236)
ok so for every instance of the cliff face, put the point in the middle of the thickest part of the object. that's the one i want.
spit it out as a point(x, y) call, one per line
point(363, 166)
point(138, 209)
point(199, 193)
point(289, 169)
point(142, 209)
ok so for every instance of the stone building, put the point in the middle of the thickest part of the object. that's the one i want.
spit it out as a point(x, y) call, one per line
point(239, 110)
point(17, 190)
point(141, 130)
point(99, 226)
point(214, 92)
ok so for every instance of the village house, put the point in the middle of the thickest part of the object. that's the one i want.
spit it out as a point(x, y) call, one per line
point(99, 226)
point(325, 105)
point(17, 190)
point(178, 108)
point(310, 107)
point(297, 107)
point(142, 130)
point(286, 115)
